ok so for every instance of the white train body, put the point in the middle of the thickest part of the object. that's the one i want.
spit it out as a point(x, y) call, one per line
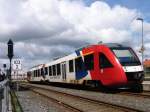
point(62, 75)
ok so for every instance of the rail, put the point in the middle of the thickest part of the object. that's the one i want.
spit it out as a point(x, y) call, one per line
point(145, 94)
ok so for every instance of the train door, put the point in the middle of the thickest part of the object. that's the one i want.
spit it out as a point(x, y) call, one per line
point(63, 67)
point(106, 69)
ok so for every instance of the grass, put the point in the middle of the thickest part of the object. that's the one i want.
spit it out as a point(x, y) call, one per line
point(16, 107)
point(147, 74)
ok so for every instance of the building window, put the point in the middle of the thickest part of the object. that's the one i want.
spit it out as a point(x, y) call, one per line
point(89, 62)
point(46, 70)
point(71, 69)
point(104, 62)
point(79, 66)
point(54, 70)
point(50, 71)
point(58, 69)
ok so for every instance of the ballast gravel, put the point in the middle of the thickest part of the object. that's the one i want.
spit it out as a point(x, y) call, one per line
point(142, 104)
point(32, 102)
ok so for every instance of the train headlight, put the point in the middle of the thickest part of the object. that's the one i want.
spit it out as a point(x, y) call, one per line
point(137, 75)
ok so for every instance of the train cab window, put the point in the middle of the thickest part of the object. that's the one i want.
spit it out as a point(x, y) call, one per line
point(104, 62)
point(71, 69)
point(58, 69)
point(79, 66)
point(89, 62)
point(46, 71)
point(50, 71)
point(54, 70)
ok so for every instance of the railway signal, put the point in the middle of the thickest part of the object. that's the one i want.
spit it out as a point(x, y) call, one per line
point(10, 54)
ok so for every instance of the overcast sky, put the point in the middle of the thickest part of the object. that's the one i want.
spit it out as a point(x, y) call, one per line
point(44, 29)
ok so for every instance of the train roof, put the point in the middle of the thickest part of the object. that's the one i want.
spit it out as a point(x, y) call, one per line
point(114, 45)
point(62, 59)
point(73, 55)
point(110, 45)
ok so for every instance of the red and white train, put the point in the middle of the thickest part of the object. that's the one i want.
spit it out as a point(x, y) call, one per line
point(110, 65)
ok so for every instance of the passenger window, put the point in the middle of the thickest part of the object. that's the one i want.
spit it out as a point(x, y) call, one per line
point(42, 71)
point(104, 62)
point(46, 70)
point(89, 62)
point(54, 70)
point(71, 69)
point(50, 71)
point(34, 73)
point(38, 73)
point(58, 69)
point(79, 66)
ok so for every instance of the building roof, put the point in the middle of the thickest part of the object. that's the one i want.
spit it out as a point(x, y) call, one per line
point(147, 63)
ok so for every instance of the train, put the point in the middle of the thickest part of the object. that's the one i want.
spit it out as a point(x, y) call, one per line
point(104, 65)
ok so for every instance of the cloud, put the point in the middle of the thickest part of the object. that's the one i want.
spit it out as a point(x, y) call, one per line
point(43, 30)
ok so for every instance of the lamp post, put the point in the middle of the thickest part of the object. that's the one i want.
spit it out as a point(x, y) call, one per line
point(10, 54)
point(142, 47)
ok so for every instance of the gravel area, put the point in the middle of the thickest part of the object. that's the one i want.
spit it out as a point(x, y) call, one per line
point(32, 102)
point(142, 104)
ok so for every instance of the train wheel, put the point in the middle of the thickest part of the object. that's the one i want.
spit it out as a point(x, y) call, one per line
point(102, 87)
point(137, 88)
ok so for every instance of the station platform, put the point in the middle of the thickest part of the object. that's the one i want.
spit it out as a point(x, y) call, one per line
point(5, 98)
point(146, 84)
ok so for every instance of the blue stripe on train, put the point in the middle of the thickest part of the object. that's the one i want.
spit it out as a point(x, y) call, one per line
point(83, 73)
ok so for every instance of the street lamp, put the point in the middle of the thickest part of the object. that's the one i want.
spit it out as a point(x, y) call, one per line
point(142, 47)
point(10, 53)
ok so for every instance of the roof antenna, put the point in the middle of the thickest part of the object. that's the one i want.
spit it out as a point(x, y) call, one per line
point(100, 42)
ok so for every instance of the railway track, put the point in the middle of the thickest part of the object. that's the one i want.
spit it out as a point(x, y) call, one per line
point(144, 94)
point(79, 103)
point(71, 108)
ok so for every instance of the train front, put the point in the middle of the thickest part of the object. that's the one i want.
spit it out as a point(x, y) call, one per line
point(131, 66)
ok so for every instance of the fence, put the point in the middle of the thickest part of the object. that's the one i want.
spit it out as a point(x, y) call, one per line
point(4, 96)
point(147, 71)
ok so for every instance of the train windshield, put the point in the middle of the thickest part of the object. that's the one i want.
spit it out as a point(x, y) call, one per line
point(126, 56)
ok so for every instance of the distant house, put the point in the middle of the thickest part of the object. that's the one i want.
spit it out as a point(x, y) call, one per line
point(147, 65)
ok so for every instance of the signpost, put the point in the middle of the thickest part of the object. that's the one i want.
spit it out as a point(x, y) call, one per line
point(17, 66)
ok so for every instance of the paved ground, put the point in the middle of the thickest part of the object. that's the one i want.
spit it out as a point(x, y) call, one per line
point(146, 85)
